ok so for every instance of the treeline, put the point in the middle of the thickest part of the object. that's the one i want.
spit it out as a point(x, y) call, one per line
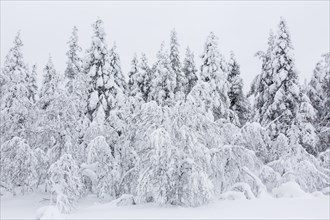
point(172, 134)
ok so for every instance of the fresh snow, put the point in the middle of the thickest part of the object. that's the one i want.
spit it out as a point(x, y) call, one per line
point(305, 207)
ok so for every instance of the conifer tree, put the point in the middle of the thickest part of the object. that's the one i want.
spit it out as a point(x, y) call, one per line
point(18, 165)
point(145, 86)
point(65, 184)
point(74, 62)
point(261, 83)
point(115, 68)
point(133, 84)
point(175, 62)
point(32, 84)
point(49, 88)
point(213, 74)
point(15, 105)
point(164, 80)
point(318, 93)
point(189, 69)
point(280, 103)
point(238, 102)
point(105, 77)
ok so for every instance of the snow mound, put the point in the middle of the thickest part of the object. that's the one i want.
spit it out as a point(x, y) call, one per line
point(317, 194)
point(233, 195)
point(124, 200)
point(244, 188)
point(48, 212)
point(289, 190)
point(326, 191)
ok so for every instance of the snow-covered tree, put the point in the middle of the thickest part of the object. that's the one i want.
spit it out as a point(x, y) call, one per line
point(59, 121)
point(163, 79)
point(42, 166)
point(256, 138)
point(18, 165)
point(74, 62)
point(189, 69)
point(261, 83)
point(146, 75)
point(318, 93)
point(64, 180)
point(298, 165)
point(238, 101)
point(279, 101)
point(115, 68)
point(102, 66)
point(50, 83)
point(133, 75)
point(100, 157)
point(15, 105)
point(76, 84)
point(228, 163)
point(155, 181)
point(171, 146)
point(212, 72)
point(32, 84)
point(324, 134)
point(175, 63)
point(97, 67)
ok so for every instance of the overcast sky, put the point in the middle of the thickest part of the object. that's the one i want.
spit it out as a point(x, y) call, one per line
point(242, 26)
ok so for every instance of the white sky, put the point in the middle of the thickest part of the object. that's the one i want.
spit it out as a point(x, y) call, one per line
point(242, 26)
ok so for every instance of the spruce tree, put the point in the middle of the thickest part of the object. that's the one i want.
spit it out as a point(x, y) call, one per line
point(146, 76)
point(280, 103)
point(190, 71)
point(261, 83)
point(105, 78)
point(318, 93)
point(164, 80)
point(49, 88)
point(74, 62)
point(32, 84)
point(133, 84)
point(275, 100)
point(315, 88)
point(175, 62)
point(115, 68)
point(15, 105)
point(238, 101)
point(212, 73)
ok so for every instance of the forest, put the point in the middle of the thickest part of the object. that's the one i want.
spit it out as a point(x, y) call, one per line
point(170, 132)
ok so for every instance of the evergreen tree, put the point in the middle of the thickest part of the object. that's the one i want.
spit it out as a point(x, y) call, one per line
point(190, 71)
point(278, 75)
point(18, 165)
point(163, 81)
point(115, 67)
point(64, 180)
point(175, 62)
point(133, 84)
point(76, 83)
point(261, 83)
point(50, 83)
point(32, 84)
point(15, 105)
point(213, 74)
point(318, 93)
point(238, 102)
point(99, 154)
point(102, 66)
point(74, 63)
point(279, 101)
point(145, 86)
point(59, 121)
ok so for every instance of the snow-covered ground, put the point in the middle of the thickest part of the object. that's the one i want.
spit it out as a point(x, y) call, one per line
point(303, 207)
